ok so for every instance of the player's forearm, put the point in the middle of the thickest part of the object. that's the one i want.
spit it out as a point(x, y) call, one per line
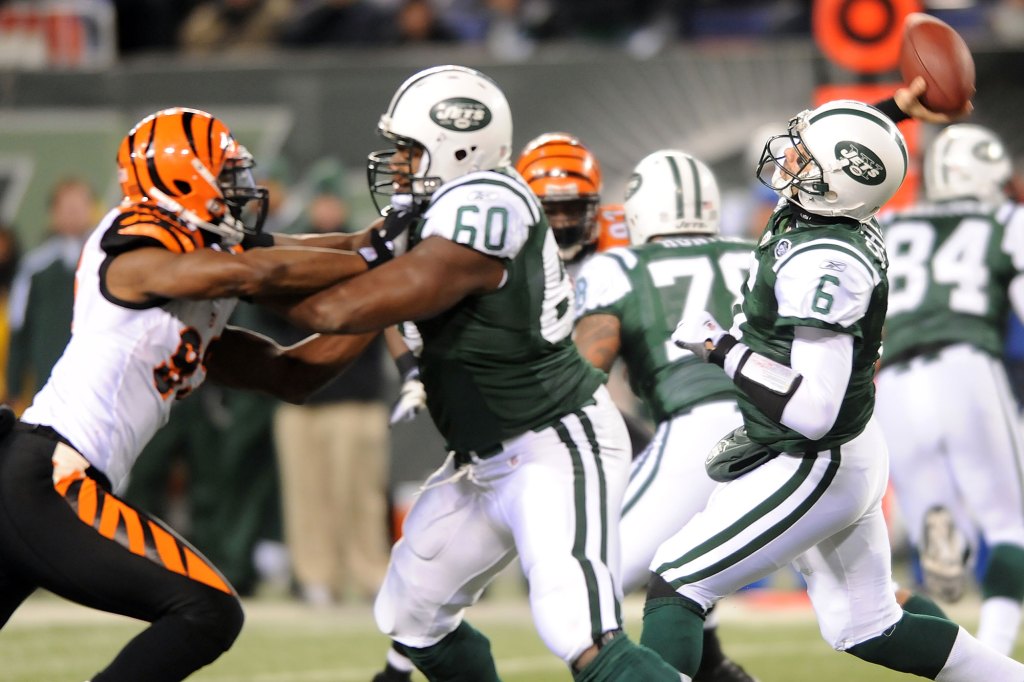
point(342, 241)
point(805, 396)
point(290, 270)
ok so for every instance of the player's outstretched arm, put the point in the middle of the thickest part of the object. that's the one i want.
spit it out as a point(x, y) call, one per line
point(243, 359)
point(145, 274)
point(906, 103)
point(424, 282)
point(344, 241)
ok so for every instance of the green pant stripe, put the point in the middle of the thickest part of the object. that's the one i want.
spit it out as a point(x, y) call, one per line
point(602, 487)
point(654, 469)
point(580, 541)
point(760, 511)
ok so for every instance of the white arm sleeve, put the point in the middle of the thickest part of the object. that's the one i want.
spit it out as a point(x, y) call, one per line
point(825, 359)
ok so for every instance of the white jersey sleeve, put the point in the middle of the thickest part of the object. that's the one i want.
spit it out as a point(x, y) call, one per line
point(487, 211)
point(601, 283)
point(830, 285)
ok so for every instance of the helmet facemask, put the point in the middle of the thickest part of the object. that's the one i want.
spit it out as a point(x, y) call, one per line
point(573, 223)
point(787, 167)
point(396, 176)
point(240, 190)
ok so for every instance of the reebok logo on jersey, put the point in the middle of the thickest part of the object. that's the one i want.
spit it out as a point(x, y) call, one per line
point(833, 265)
point(862, 164)
point(461, 114)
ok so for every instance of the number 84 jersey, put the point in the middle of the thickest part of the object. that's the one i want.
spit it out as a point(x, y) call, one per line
point(951, 265)
point(126, 363)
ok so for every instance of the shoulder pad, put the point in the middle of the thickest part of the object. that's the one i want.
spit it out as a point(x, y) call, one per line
point(139, 226)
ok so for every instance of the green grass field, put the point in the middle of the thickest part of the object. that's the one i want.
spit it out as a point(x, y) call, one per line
point(53, 641)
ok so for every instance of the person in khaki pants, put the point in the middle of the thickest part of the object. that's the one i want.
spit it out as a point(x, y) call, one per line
point(333, 454)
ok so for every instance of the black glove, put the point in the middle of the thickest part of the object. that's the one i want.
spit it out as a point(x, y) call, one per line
point(390, 240)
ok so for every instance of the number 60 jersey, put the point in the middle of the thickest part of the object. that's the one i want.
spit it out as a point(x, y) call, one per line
point(951, 265)
point(126, 363)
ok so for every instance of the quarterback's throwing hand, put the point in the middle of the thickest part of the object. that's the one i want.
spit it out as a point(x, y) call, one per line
point(698, 334)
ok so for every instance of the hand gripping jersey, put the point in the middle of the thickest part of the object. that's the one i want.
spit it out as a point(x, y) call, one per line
point(126, 363)
point(500, 364)
point(950, 268)
point(827, 275)
point(648, 288)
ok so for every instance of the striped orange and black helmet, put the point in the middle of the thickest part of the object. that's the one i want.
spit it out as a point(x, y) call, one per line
point(188, 162)
point(566, 177)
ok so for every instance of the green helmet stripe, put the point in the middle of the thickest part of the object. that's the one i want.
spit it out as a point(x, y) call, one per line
point(677, 176)
point(698, 204)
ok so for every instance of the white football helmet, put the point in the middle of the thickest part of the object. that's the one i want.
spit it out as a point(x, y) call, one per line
point(966, 160)
point(846, 160)
point(671, 193)
point(457, 116)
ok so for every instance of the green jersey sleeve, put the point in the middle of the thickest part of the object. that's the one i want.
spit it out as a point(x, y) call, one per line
point(602, 284)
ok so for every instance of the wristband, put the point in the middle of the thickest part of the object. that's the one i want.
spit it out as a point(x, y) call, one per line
point(407, 364)
point(258, 240)
point(721, 349)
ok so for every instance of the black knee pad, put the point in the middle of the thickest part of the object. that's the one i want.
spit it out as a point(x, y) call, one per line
point(658, 587)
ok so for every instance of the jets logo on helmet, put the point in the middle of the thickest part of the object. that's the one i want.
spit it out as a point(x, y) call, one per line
point(633, 186)
point(863, 165)
point(461, 113)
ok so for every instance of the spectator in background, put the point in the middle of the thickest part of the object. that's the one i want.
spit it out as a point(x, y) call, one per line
point(234, 25)
point(334, 454)
point(417, 21)
point(325, 23)
point(39, 309)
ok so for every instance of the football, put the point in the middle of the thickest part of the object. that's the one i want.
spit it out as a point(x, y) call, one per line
point(933, 50)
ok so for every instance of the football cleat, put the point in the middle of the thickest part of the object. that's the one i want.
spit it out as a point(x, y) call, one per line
point(943, 554)
point(726, 671)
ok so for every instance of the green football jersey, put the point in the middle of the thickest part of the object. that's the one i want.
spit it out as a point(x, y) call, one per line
point(499, 364)
point(649, 288)
point(950, 268)
point(830, 276)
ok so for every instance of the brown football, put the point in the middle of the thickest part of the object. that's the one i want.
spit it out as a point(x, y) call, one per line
point(933, 50)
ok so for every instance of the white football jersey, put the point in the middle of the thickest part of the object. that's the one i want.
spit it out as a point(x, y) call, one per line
point(125, 365)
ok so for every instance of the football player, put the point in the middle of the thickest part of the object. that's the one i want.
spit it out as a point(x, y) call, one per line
point(956, 264)
point(805, 475)
point(155, 285)
point(628, 300)
point(539, 454)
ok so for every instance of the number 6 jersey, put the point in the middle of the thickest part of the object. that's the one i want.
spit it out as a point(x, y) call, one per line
point(826, 273)
point(126, 363)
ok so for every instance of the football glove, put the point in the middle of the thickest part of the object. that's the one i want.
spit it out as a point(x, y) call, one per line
point(411, 399)
point(390, 240)
point(698, 334)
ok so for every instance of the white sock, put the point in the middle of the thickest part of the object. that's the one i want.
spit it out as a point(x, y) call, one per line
point(399, 662)
point(971, 661)
point(999, 622)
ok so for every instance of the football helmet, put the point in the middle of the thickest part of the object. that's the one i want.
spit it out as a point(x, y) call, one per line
point(189, 164)
point(966, 160)
point(671, 193)
point(843, 159)
point(566, 178)
point(456, 117)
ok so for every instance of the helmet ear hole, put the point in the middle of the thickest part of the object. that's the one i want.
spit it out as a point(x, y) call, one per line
point(461, 154)
point(182, 186)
